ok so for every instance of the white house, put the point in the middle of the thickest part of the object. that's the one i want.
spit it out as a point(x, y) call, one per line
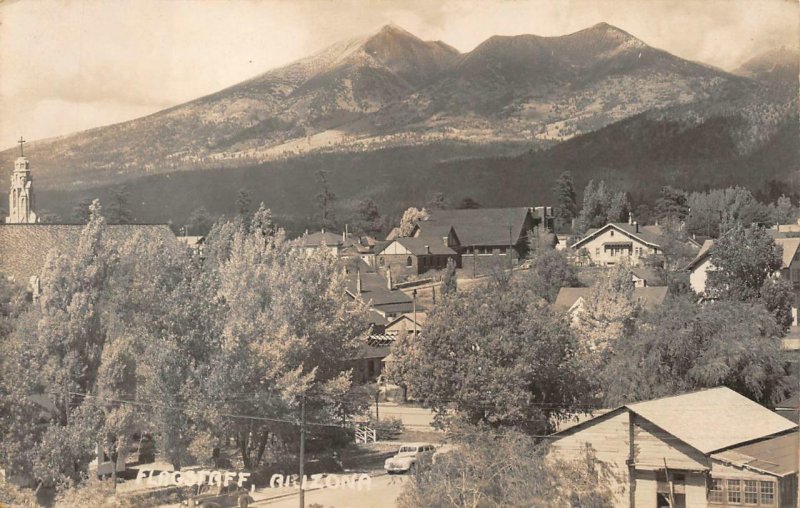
point(618, 241)
point(708, 449)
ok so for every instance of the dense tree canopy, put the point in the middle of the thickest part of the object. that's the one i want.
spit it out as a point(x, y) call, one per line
point(510, 469)
point(743, 259)
point(144, 336)
point(683, 346)
point(508, 355)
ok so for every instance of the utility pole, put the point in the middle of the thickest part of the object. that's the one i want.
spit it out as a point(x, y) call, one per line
point(302, 449)
point(510, 250)
point(414, 295)
point(114, 456)
point(377, 396)
point(474, 261)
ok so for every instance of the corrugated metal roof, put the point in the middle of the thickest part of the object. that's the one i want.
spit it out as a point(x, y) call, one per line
point(713, 419)
point(776, 455)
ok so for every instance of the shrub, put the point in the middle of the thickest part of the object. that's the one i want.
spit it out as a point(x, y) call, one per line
point(387, 428)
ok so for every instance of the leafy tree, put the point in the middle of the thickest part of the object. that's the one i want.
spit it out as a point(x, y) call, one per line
point(671, 204)
point(601, 206)
point(80, 212)
point(468, 204)
point(325, 201)
point(566, 197)
point(683, 346)
point(404, 352)
point(618, 208)
point(262, 224)
point(507, 355)
point(438, 201)
point(609, 312)
point(118, 210)
point(777, 294)
point(368, 218)
point(286, 320)
point(743, 259)
point(511, 469)
point(713, 211)
point(410, 219)
point(55, 353)
point(449, 279)
point(199, 222)
point(550, 270)
point(784, 212)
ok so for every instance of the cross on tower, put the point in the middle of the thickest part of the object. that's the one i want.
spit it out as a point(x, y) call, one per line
point(21, 141)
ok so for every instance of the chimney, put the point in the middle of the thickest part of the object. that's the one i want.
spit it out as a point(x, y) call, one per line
point(358, 281)
point(389, 283)
point(630, 217)
point(635, 223)
point(427, 249)
point(444, 240)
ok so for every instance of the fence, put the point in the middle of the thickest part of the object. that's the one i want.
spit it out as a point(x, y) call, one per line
point(365, 435)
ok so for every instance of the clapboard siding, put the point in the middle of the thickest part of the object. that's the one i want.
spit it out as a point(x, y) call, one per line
point(607, 437)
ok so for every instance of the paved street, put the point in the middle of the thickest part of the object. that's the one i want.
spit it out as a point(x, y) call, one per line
point(382, 493)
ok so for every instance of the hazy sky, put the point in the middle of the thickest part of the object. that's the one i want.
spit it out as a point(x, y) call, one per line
point(69, 65)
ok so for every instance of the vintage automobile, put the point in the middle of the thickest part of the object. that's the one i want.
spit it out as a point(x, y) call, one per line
point(409, 457)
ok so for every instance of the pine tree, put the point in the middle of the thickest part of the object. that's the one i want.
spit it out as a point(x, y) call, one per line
point(566, 198)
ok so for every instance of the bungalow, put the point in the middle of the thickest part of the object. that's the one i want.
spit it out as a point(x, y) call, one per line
point(618, 241)
point(710, 448)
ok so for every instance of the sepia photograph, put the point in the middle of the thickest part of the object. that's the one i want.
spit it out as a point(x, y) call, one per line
point(399, 253)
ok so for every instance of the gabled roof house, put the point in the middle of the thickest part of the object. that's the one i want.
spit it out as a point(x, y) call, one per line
point(709, 448)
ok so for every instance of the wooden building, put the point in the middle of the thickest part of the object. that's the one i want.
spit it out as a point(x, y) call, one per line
point(618, 242)
point(705, 449)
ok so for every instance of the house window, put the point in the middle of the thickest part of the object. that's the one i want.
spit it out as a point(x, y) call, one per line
point(597, 251)
point(750, 492)
point(502, 251)
point(381, 261)
point(734, 491)
point(767, 493)
point(715, 492)
point(612, 233)
point(409, 261)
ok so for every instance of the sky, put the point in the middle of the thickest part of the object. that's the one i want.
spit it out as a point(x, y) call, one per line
point(69, 65)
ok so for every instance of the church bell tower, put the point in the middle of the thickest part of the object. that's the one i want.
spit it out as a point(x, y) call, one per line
point(20, 197)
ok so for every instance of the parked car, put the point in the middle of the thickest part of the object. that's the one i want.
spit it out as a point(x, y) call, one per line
point(409, 457)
